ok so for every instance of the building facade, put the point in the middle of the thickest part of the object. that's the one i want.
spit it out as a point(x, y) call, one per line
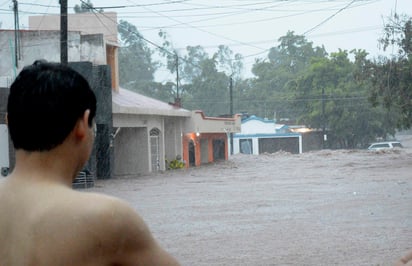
point(206, 138)
point(259, 135)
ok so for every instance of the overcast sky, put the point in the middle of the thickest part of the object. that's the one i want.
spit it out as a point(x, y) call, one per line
point(247, 27)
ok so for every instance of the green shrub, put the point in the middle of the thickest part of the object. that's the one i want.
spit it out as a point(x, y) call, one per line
point(175, 164)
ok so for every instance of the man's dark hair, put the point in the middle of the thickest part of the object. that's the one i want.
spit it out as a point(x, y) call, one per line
point(45, 102)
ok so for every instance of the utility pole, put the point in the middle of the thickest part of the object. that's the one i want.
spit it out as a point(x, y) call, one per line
point(16, 34)
point(231, 111)
point(63, 32)
point(325, 137)
point(177, 76)
point(178, 101)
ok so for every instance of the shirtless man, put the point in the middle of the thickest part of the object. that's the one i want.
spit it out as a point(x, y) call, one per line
point(406, 260)
point(42, 220)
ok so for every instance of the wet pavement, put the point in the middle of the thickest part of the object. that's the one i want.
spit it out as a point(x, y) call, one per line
point(317, 208)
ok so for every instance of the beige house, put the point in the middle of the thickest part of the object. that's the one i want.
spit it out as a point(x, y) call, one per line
point(87, 24)
point(45, 44)
point(144, 126)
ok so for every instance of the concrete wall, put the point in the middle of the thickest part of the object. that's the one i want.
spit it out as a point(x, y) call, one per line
point(4, 135)
point(37, 45)
point(131, 148)
point(173, 138)
point(4, 147)
point(86, 23)
point(200, 123)
point(8, 157)
point(258, 126)
point(112, 59)
point(93, 49)
point(204, 151)
point(104, 24)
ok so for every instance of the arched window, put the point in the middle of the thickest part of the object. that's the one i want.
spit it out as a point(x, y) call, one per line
point(154, 132)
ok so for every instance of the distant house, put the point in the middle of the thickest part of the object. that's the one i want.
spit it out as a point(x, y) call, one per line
point(261, 135)
point(146, 133)
point(206, 138)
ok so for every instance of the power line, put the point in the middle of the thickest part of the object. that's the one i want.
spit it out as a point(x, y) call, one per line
point(113, 7)
point(329, 18)
point(138, 35)
point(244, 7)
point(200, 29)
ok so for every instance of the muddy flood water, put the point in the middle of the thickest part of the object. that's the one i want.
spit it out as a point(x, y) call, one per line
point(345, 207)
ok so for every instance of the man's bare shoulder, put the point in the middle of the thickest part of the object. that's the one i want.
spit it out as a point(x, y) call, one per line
point(124, 233)
point(108, 210)
point(108, 228)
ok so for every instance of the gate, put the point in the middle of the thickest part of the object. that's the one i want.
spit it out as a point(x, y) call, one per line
point(155, 149)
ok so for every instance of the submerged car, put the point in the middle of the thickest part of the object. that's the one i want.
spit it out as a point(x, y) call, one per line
point(385, 145)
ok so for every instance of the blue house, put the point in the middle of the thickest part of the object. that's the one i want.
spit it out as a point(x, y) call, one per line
point(261, 135)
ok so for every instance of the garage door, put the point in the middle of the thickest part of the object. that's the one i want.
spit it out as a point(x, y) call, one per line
point(272, 145)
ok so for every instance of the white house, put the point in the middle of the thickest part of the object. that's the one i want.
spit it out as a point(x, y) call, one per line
point(261, 135)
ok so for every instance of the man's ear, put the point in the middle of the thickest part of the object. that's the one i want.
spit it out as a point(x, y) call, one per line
point(82, 126)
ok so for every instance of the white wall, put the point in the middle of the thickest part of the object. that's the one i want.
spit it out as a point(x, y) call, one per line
point(257, 126)
point(4, 146)
point(86, 23)
point(131, 149)
point(37, 45)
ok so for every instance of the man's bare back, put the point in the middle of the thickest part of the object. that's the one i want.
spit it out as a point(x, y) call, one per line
point(49, 224)
point(51, 111)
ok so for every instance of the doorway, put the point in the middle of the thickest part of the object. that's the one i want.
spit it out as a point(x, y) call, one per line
point(155, 149)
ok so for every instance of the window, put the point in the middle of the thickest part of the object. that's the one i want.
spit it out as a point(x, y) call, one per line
point(245, 146)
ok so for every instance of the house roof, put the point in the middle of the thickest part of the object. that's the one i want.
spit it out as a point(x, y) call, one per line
point(252, 117)
point(129, 102)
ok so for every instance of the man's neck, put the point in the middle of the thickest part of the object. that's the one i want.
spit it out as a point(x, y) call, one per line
point(54, 166)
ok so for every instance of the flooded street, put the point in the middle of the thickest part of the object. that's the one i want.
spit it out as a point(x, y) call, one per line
point(318, 208)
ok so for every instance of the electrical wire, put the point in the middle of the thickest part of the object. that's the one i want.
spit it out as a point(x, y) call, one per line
point(203, 30)
point(47, 9)
point(242, 7)
point(329, 18)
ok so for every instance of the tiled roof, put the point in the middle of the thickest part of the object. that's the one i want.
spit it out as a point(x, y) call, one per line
point(129, 102)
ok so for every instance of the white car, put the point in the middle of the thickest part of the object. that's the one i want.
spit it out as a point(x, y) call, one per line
point(385, 145)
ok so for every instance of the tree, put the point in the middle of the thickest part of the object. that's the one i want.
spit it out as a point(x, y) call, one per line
point(272, 89)
point(206, 88)
point(332, 97)
point(137, 67)
point(392, 77)
point(168, 51)
point(135, 57)
point(203, 79)
point(209, 91)
point(85, 7)
point(229, 62)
